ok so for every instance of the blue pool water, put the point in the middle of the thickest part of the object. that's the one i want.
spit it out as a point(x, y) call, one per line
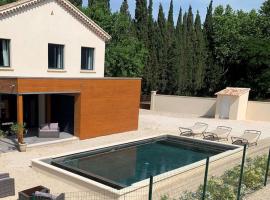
point(122, 167)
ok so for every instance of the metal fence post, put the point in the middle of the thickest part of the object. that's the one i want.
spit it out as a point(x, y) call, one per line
point(241, 172)
point(150, 188)
point(205, 178)
point(267, 169)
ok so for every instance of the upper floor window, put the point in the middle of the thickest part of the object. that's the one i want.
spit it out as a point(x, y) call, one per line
point(87, 58)
point(56, 56)
point(5, 53)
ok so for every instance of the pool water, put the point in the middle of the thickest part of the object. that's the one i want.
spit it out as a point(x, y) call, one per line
point(122, 167)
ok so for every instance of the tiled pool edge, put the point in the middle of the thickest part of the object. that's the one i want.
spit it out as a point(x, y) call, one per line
point(89, 184)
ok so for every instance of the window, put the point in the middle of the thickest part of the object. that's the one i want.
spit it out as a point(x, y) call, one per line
point(5, 53)
point(87, 58)
point(56, 56)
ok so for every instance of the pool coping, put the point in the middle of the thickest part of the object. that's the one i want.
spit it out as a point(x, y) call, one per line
point(41, 165)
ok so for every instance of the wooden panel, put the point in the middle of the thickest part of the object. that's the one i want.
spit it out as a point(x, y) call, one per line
point(109, 106)
point(104, 106)
point(8, 85)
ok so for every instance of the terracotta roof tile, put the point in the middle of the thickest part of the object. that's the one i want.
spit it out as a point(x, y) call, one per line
point(230, 91)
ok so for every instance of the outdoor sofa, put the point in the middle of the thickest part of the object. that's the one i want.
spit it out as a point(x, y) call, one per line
point(197, 129)
point(250, 137)
point(39, 193)
point(49, 131)
point(7, 185)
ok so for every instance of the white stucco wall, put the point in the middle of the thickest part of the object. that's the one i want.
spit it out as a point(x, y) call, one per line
point(237, 107)
point(197, 106)
point(258, 111)
point(31, 30)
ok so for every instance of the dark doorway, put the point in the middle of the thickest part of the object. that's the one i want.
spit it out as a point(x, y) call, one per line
point(62, 112)
point(30, 110)
point(8, 108)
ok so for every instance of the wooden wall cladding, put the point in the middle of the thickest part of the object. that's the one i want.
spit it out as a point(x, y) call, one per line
point(102, 106)
point(8, 85)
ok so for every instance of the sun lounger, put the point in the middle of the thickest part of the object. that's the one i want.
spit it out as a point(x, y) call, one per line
point(197, 129)
point(250, 137)
point(220, 133)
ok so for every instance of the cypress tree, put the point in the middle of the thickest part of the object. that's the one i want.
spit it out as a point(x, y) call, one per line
point(124, 9)
point(199, 59)
point(150, 76)
point(189, 49)
point(141, 20)
point(180, 53)
point(212, 71)
point(162, 50)
point(171, 75)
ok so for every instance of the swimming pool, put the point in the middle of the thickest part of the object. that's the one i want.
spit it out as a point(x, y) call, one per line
point(123, 165)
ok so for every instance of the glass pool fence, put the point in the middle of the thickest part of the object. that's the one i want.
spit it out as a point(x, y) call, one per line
point(235, 179)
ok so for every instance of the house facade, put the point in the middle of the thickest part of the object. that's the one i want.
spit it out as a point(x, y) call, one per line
point(52, 70)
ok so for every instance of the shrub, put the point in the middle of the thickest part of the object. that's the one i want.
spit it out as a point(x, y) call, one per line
point(2, 133)
point(226, 186)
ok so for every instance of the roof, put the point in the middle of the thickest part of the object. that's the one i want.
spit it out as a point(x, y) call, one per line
point(233, 91)
point(73, 10)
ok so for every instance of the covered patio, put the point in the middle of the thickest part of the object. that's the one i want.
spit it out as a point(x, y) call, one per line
point(35, 110)
point(81, 107)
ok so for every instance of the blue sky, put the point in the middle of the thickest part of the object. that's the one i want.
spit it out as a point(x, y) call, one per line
point(200, 5)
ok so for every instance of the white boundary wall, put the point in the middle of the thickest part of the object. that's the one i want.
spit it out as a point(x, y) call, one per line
point(204, 107)
point(198, 106)
point(258, 111)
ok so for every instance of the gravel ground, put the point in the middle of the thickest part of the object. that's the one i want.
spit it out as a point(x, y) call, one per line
point(150, 124)
point(263, 194)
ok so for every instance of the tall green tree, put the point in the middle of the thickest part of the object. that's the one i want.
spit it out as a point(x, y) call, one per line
point(265, 19)
point(213, 71)
point(171, 74)
point(162, 50)
point(151, 73)
point(199, 55)
point(104, 4)
point(124, 9)
point(99, 11)
point(141, 20)
point(180, 53)
point(189, 53)
point(125, 54)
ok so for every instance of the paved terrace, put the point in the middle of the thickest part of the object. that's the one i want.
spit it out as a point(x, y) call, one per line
point(151, 124)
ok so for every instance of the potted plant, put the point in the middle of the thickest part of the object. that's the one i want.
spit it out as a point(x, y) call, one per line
point(19, 130)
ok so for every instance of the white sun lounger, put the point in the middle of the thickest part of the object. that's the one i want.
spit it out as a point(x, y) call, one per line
point(250, 137)
point(220, 133)
point(197, 129)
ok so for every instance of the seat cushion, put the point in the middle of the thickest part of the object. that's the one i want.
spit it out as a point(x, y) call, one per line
point(45, 127)
point(54, 126)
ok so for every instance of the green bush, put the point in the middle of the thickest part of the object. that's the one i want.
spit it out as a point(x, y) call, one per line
point(2, 133)
point(226, 186)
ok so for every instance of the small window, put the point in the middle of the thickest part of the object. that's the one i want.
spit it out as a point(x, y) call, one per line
point(87, 58)
point(56, 56)
point(5, 53)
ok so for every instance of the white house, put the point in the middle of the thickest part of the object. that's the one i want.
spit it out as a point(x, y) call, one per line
point(49, 38)
point(52, 71)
